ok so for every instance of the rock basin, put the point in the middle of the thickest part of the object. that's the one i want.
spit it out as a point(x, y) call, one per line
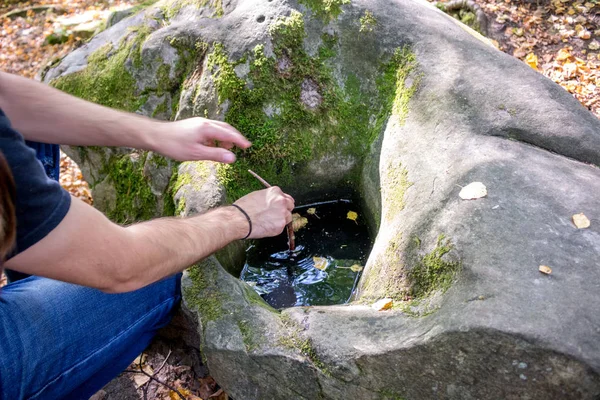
point(406, 112)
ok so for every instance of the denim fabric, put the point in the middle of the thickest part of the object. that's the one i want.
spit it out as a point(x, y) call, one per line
point(64, 341)
point(49, 156)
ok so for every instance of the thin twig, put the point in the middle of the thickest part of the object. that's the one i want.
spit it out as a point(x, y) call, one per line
point(164, 362)
point(155, 379)
point(290, 228)
point(254, 174)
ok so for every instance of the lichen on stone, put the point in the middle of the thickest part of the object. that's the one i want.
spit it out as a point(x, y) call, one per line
point(368, 22)
point(433, 271)
point(325, 9)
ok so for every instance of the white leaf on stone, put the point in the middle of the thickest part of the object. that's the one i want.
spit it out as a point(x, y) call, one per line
point(472, 191)
point(383, 304)
point(581, 221)
point(545, 269)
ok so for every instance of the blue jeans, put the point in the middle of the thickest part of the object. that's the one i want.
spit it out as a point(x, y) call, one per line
point(64, 341)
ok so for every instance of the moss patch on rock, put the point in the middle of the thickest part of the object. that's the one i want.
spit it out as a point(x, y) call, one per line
point(325, 9)
point(368, 22)
point(203, 295)
point(105, 80)
point(433, 272)
point(315, 115)
point(135, 200)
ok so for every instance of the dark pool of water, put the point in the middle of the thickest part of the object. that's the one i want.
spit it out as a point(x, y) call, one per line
point(330, 239)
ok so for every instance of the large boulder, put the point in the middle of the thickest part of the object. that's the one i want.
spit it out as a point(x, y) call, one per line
point(403, 105)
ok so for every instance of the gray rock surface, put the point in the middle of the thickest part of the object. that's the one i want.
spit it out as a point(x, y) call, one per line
point(486, 324)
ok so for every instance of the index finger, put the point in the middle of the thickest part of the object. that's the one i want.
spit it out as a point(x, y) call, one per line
point(224, 132)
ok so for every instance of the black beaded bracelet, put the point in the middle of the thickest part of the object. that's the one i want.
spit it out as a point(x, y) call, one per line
point(247, 217)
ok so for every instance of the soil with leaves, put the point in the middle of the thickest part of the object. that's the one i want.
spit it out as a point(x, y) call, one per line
point(558, 38)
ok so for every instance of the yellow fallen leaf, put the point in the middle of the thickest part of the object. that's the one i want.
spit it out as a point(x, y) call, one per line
point(352, 216)
point(383, 304)
point(313, 211)
point(594, 45)
point(320, 263)
point(356, 268)
point(472, 191)
point(298, 222)
point(581, 221)
point(532, 60)
point(545, 269)
point(563, 54)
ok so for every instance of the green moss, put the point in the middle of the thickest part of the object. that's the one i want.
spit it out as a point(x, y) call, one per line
point(172, 8)
point(161, 108)
point(283, 142)
point(203, 295)
point(394, 183)
point(248, 336)
point(134, 198)
point(432, 272)
point(293, 341)
point(367, 22)
point(105, 80)
point(387, 278)
point(325, 9)
point(388, 394)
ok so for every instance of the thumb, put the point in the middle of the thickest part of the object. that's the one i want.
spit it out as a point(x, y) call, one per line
point(216, 154)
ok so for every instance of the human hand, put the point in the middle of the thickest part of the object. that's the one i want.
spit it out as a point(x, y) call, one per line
point(270, 210)
point(196, 139)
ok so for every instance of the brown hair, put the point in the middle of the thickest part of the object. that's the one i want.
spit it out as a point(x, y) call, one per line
point(8, 218)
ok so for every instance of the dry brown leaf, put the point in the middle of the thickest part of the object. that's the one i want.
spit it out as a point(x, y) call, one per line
point(383, 304)
point(472, 191)
point(581, 221)
point(298, 222)
point(545, 269)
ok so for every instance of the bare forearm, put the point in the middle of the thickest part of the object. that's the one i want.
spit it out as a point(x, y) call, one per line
point(101, 254)
point(165, 246)
point(47, 115)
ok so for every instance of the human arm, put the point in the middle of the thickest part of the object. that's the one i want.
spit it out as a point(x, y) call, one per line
point(87, 249)
point(44, 114)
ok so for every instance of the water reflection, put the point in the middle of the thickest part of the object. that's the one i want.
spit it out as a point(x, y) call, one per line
point(323, 268)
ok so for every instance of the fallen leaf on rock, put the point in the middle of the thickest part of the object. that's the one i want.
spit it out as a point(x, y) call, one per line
point(352, 216)
point(383, 304)
point(545, 269)
point(473, 191)
point(320, 263)
point(298, 222)
point(581, 221)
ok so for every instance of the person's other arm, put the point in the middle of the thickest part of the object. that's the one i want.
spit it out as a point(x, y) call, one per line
point(112, 258)
point(44, 114)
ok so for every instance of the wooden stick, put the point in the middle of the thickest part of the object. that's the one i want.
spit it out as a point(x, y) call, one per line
point(290, 228)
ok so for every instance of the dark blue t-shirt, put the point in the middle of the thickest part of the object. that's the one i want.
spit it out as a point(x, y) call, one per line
point(41, 202)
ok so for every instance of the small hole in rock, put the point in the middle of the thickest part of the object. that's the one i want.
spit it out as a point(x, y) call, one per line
point(260, 19)
point(331, 249)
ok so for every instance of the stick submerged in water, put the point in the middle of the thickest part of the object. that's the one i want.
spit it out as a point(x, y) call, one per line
point(290, 229)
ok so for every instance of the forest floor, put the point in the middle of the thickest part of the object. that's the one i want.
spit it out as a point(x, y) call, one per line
point(558, 38)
